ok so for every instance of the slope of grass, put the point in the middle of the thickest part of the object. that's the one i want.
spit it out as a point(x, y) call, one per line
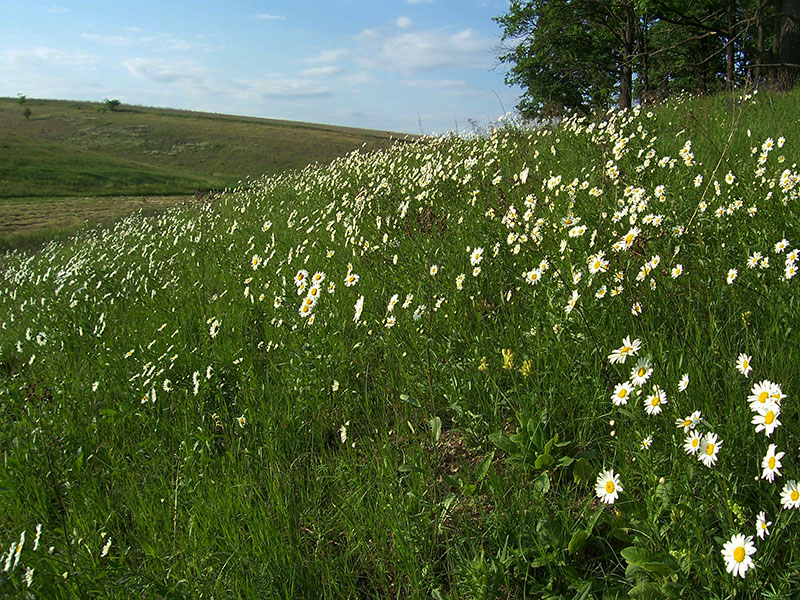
point(401, 375)
point(74, 148)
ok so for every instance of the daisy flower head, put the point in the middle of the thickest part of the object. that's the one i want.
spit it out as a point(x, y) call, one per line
point(476, 257)
point(533, 276)
point(771, 463)
point(419, 312)
point(790, 495)
point(690, 422)
point(597, 263)
point(434, 270)
point(737, 554)
point(683, 383)
point(629, 348)
point(654, 402)
point(572, 302)
point(732, 273)
point(641, 372)
point(692, 443)
point(608, 486)
point(646, 443)
point(781, 246)
point(621, 393)
point(762, 393)
point(351, 279)
point(709, 449)
point(762, 525)
point(743, 364)
point(301, 277)
point(766, 419)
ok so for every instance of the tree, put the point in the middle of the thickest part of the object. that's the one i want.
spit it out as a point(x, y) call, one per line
point(111, 104)
point(786, 45)
point(27, 113)
point(560, 55)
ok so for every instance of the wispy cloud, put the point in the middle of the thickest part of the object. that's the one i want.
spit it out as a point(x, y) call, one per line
point(321, 71)
point(435, 83)
point(404, 22)
point(266, 17)
point(168, 72)
point(109, 39)
point(327, 56)
point(286, 89)
point(42, 55)
point(414, 52)
point(57, 10)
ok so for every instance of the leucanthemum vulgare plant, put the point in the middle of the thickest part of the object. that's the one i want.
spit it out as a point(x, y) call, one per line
point(547, 362)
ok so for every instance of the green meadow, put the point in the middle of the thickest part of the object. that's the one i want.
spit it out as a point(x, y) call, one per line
point(552, 362)
point(79, 151)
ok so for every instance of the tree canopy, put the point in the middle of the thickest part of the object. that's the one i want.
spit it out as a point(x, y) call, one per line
point(574, 55)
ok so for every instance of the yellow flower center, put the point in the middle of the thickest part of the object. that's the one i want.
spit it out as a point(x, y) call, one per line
point(762, 397)
point(623, 392)
point(771, 462)
point(610, 487)
point(744, 362)
point(629, 238)
point(769, 417)
point(710, 449)
point(794, 495)
point(654, 401)
point(738, 554)
point(597, 265)
point(641, 372)
point(695, 442)
point(626, 349)
point(687, 422)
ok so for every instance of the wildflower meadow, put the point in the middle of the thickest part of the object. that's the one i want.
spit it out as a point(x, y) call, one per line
point(557, 361)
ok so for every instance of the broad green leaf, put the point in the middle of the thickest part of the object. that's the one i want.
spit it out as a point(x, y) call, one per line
point(578, 541)
point(436, 429)
point(483, 468)
point(582, 471)
point(505, 443)
point(542, 483)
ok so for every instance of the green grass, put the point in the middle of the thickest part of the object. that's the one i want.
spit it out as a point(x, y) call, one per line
point(71, 148)
point(423, 434)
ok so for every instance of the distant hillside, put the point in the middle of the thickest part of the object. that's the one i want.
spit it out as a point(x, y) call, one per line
point(69, 148)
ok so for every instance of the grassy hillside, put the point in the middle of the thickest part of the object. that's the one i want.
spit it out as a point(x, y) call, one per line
point(68, 148)
point(553, 363)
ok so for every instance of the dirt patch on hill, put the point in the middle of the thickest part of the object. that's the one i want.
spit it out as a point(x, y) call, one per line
point(29, 216)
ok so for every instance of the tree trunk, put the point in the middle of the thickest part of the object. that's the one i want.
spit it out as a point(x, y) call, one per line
point(730, 80)
point(788, 47)
point(626, 69)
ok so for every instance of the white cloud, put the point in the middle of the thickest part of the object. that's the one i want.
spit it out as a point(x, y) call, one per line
point(163, 71)
point(42, 55)
point(404, 22)
point(428, 50)
point(289, 89)
point(266, 17)
point(435, 83)
point(321, 71)
point(108, 39)
point(57, 10)
point(359, 78)
point(327, 56)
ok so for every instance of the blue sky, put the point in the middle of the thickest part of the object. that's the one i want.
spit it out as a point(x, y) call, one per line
point(401, 65)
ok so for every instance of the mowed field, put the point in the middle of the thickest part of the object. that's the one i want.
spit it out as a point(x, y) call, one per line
point(110, 163)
